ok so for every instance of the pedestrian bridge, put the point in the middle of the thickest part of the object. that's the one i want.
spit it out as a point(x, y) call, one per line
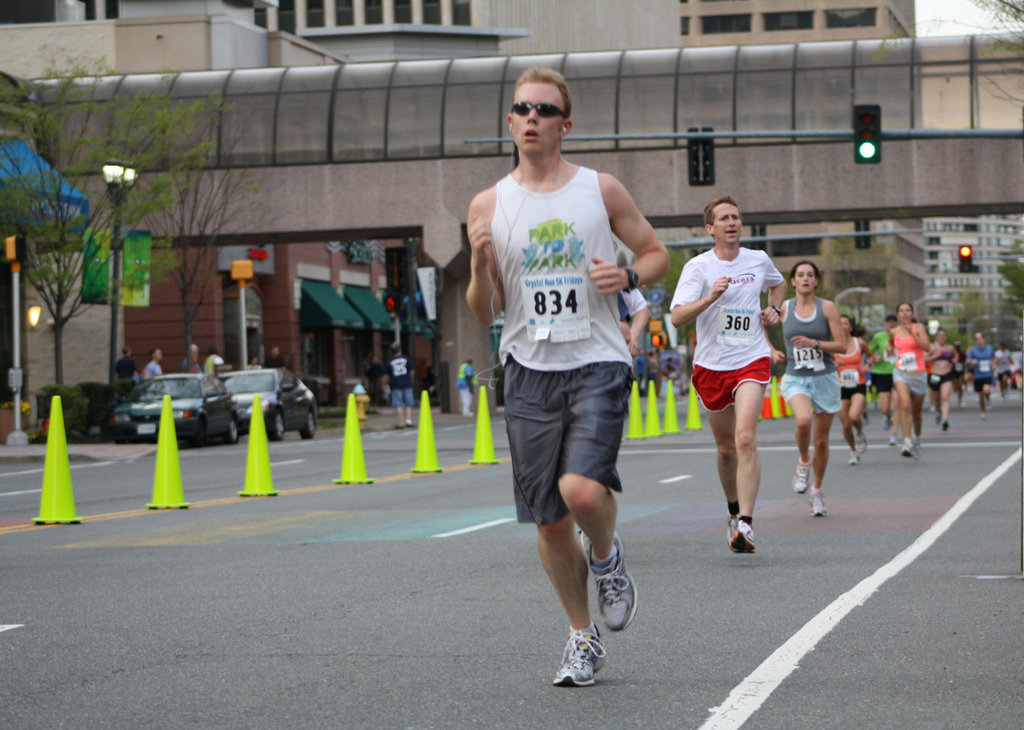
point(368, 150)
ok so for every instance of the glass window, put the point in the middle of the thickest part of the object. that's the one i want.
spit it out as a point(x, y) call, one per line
point(247, 127)
point(944, 93)
point(997, 85)
point(472, 106)
point(414, 110)
point(726, 23)
point(303, 114)
point(705, 91)
point(461, 12)
point(764, 87)
point(850, 18)
point(286, 16)
point(823, 85)
point(432, 12)
point(684, 26)
point(403, 11)
point(593, 78)
point(374, 12)
point(344, 14)
point(647, 95)
point(882, 76)
point(802, 20)
point(314, 13)
point(360, 104)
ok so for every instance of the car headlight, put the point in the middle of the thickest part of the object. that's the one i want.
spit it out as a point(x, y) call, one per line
point(185, 413)
point(122, 418)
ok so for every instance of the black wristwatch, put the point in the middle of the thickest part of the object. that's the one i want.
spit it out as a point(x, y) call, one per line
point(634, 280)
point(778, 309)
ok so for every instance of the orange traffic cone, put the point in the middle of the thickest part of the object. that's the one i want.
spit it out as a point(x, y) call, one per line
point(766, 407)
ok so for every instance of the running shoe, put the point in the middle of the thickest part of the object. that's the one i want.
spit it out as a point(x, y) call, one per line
point(583, 656)
point(862, 443)
point(893, 441)
point(730, 528)
point(616, 592)
point(742, 538)
point(938, 418)
point(854, 458)
point(818, 503)
point(886, 423)
point(907, 449)
point(945, 425)
point(801, 478)
point(983, 416)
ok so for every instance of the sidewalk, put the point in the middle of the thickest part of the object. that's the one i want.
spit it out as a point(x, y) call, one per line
point(384, 420)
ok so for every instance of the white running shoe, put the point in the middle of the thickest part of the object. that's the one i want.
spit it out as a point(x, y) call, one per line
point(801, 479)
point(818, 503)
point(854, 458)
point(862, 443)
point(584, 654)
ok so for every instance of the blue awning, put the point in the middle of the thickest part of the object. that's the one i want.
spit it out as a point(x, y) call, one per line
point(19, 162)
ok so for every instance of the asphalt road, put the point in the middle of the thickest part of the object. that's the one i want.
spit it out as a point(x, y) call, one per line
point(417, 602)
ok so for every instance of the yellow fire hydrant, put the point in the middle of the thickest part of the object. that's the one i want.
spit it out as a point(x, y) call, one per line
point(362, 400)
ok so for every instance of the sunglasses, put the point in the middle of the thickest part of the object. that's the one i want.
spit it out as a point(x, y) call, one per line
point(522, 108)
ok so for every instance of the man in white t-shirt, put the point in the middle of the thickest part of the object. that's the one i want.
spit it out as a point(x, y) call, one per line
point(721, 289)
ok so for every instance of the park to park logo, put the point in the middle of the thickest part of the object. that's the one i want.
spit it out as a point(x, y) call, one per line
point(553, 245)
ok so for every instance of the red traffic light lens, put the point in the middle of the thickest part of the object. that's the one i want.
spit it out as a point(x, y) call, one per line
point(966, 251)
point(867, 118)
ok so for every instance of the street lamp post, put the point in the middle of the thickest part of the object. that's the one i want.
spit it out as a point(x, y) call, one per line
point(119, 177)
point(852, 290)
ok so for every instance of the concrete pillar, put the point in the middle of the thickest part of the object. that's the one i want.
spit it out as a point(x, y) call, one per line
point(330, 13)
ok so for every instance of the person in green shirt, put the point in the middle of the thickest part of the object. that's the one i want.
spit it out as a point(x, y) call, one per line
point(883, 361)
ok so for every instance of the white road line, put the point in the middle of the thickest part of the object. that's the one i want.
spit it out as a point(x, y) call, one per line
point(5, 627)
point(752, 692)
point(290, 461)
point(474, 528)
point(91, 465)
point(672, 480)
point(626, 451)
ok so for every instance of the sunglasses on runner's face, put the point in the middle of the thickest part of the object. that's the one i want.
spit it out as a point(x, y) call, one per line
point(522, 108)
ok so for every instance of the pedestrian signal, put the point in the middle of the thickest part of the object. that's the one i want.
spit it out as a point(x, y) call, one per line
point(390, 303)
point(700, 157)
point(659, 340)
point(867, 134)
point(14, 248)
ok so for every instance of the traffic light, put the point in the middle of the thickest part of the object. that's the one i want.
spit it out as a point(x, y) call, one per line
point(867, 134)
point(390, 302)
point(700, 156)
point(860, 241)
point(659, 340)
point(15, 248)
point(966, 259)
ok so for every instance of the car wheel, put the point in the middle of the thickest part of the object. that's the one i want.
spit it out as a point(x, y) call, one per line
point(275, 426)
point(231, 435)
point(309, 430)
point(200, 438)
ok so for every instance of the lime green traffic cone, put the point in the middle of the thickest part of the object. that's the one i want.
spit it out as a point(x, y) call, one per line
point(168, 492)
point(671, 418)
point(58, 500)
point(426, 449)
point(483, 449)
point(652, 427)
point(353, 463)
point(693, 412)
point(259, 481)
point(636, 419)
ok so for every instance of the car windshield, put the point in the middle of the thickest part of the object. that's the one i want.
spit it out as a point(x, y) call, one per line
point(151, 390)
point(250, 382)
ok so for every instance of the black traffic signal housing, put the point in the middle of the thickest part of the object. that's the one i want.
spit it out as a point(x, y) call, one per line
point(867, 134)
point(966, 254)
point(700, 157)
point(14, 248)
point(862, 241)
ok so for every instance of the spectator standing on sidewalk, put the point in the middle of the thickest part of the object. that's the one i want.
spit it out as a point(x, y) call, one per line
point(400, 380)
point(466, 385)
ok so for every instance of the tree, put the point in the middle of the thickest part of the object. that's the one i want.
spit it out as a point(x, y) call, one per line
point(72, 126)
point(204, 204)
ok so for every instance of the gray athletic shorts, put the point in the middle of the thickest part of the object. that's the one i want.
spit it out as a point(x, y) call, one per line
point(563, 422)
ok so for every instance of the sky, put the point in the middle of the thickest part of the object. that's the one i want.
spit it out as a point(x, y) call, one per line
point(951, 17)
